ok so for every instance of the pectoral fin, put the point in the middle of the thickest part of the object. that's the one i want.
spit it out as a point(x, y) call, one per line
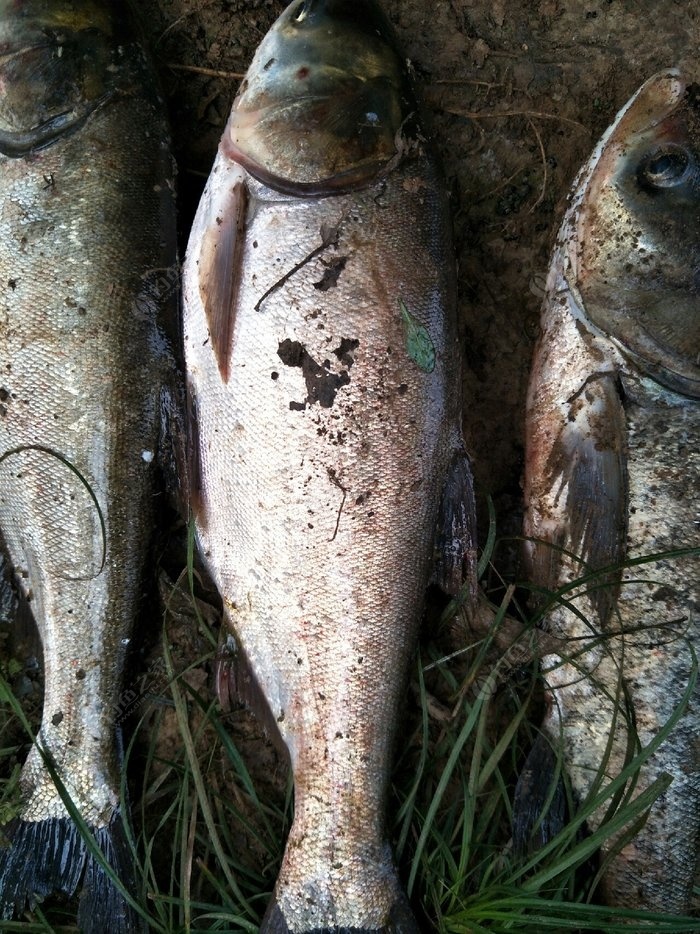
point(588, 471)
point(220, 259)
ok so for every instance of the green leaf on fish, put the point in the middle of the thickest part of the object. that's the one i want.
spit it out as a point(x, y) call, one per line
point(419, 344)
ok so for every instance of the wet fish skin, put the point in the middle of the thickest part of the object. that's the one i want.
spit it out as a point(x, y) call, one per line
point(612, 473)
point(87, 228)
point(323, 367)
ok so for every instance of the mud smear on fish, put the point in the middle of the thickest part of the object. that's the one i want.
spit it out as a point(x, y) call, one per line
point(328, 463)
point(613, 476)
point(87, 279)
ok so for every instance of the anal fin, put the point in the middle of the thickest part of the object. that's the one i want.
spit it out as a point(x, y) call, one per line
point(539, 804)
point(236, 685)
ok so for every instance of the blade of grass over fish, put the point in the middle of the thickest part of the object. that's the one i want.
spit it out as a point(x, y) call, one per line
point(230, 918)
point(464, 734)
point(235, 758)
point(405, 815)
point(7, 696)
point(618, 821)
point(183, 722)
point(499, 615)
point(530, 914)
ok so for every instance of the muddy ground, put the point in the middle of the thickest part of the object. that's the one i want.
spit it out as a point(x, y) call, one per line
point(517, 93)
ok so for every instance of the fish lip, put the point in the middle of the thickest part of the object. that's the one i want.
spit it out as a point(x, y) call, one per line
point(354, 179)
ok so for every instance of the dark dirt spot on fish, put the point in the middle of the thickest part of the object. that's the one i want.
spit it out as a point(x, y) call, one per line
point(321, 385)
point(331, 274)
point(345, 350)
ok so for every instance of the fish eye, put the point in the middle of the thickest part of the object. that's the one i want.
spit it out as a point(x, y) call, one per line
point(665, 167)
point(303, 12)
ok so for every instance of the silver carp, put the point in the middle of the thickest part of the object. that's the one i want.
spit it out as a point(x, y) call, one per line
point(613, 476)
point(87, 254)
point(324, 382)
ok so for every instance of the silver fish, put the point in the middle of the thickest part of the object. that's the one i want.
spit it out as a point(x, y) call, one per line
point(613, 475)
point(323, 368)
point(86, 268)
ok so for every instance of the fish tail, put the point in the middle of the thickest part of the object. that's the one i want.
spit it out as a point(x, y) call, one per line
point(400, 921)
point(50, 856)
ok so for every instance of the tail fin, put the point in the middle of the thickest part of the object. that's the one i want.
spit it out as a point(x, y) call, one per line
point(51, 857)
point(400, 921)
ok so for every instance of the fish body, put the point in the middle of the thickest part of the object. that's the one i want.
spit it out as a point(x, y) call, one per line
point(613, 476)
point(87, 259)
point(323, 373)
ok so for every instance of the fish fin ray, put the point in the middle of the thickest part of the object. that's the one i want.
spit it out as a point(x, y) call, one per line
point(219, 272)
point(539, 802)
point(102, 907)
point(456, 545)
point(50, 857)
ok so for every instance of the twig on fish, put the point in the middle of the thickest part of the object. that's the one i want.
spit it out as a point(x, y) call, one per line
point(329, 237)
point(209, 72)
point(460, 81)
point(336, 482)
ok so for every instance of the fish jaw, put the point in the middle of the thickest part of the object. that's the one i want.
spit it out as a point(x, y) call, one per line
point(610, 423)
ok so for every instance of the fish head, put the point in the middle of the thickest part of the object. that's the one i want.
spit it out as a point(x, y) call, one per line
point(58, 61)
point(326, 103)
point(636, 255)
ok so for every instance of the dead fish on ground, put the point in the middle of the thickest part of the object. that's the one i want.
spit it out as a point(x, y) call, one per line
point(613, 473)
point(323, 370)
point(86, 263)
